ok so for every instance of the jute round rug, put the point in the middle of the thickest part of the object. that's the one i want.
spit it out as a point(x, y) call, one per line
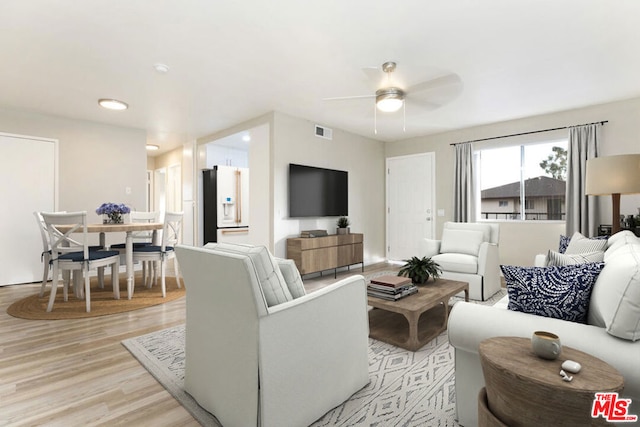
point(102, 302)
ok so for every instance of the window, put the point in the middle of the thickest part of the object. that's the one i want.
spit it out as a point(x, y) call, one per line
point(523, 182)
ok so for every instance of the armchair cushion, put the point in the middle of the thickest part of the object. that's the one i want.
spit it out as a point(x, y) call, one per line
point(459, 263)
point(556, 258)
point(273, 285)
point(461, 241)
point(561, 292)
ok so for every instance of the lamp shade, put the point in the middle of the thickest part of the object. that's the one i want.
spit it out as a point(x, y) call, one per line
point(613, 175)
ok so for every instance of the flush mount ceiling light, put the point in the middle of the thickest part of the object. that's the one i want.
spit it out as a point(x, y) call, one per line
point(161, 68)
point(112, 104)
point(152, 147)
point(390, 99)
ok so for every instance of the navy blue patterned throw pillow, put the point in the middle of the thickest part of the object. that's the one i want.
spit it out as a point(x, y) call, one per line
point(561, 292)
point(564, 242)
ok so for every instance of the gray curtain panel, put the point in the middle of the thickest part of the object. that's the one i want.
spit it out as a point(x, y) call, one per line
point(463, 184)
point(584, 143)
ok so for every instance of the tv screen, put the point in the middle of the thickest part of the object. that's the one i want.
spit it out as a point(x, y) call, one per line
point(317, 191)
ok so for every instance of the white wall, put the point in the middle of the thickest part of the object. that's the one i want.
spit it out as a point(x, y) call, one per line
point(260, 229)
point(97, 163)
point(521, 240)
point(294, 142)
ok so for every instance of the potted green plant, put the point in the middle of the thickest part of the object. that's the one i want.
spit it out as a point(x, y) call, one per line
point(343, 225)
point(419, 269)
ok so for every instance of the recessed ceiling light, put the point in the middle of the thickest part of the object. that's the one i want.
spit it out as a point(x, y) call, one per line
point(112, 104)
point(161, 68)
point(152, 147)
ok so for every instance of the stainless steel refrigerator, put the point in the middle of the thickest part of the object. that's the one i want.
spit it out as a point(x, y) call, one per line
point(225, 191)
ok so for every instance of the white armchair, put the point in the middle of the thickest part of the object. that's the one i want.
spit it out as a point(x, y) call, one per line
point(468, 252)
point(258, 356)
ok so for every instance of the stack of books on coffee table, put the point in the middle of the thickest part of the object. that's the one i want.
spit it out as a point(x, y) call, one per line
point(391, 287)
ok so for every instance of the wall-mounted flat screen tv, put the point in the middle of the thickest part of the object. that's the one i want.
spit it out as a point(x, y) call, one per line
point(317, 191)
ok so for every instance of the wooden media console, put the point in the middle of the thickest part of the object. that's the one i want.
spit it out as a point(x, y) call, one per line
point(316, 254)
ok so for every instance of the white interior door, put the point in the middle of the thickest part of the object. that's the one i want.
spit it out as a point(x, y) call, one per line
point(410, 204)
point(29, 177)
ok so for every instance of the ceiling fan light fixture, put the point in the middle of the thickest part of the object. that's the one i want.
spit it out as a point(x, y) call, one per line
point(389, 100)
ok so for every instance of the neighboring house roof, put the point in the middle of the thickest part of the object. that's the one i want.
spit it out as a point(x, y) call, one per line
point(542, 186)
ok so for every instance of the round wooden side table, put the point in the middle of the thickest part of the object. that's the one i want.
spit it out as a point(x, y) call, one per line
point(525, 390)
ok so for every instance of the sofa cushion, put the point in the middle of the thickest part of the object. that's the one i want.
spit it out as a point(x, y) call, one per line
point(625, 235)
point(620, 240)
point(458, 263)
point(580, 244)
point(561, 292)
point(273, 285)
point(615, 303)
point(461, 241)
point(556, 258)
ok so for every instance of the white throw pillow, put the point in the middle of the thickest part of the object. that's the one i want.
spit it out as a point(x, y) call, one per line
point(615, 300)
point(556, 258)
point(471, 226)
point(580, 244)
point(461, 241)
point(273, 285)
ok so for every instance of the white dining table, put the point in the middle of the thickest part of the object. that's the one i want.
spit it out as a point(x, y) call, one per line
point(127, 228)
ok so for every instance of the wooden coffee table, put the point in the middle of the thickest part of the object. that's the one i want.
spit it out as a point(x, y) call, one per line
point(426, 313)
point(525, 390)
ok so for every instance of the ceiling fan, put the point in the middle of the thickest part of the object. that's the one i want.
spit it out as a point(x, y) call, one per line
point(391, 98)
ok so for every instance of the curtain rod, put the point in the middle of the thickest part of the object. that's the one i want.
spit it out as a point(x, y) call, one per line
point(528, 133)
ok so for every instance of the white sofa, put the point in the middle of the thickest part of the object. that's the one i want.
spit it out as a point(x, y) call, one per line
point(468, 252)
point(261, 352)
point(612, 332)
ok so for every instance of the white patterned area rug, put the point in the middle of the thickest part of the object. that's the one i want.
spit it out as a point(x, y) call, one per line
point(406, 388)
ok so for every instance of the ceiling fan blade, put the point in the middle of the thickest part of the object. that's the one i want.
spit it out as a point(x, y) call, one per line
point(422, 103)
point(344, 98)
point(446, 80)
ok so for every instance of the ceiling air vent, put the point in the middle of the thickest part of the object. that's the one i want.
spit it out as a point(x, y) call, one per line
point(324, 132)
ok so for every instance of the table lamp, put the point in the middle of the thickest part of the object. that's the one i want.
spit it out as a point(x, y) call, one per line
point(613, 175)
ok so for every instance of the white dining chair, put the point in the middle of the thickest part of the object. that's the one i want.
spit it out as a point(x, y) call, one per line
point(70, 251)
point(165, 251)
point(141, 239)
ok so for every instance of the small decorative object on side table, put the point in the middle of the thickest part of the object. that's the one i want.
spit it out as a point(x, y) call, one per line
point(113, 212)
point(523, 389)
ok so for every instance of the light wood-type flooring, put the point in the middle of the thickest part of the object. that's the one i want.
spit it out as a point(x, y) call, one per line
point(77, 373)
